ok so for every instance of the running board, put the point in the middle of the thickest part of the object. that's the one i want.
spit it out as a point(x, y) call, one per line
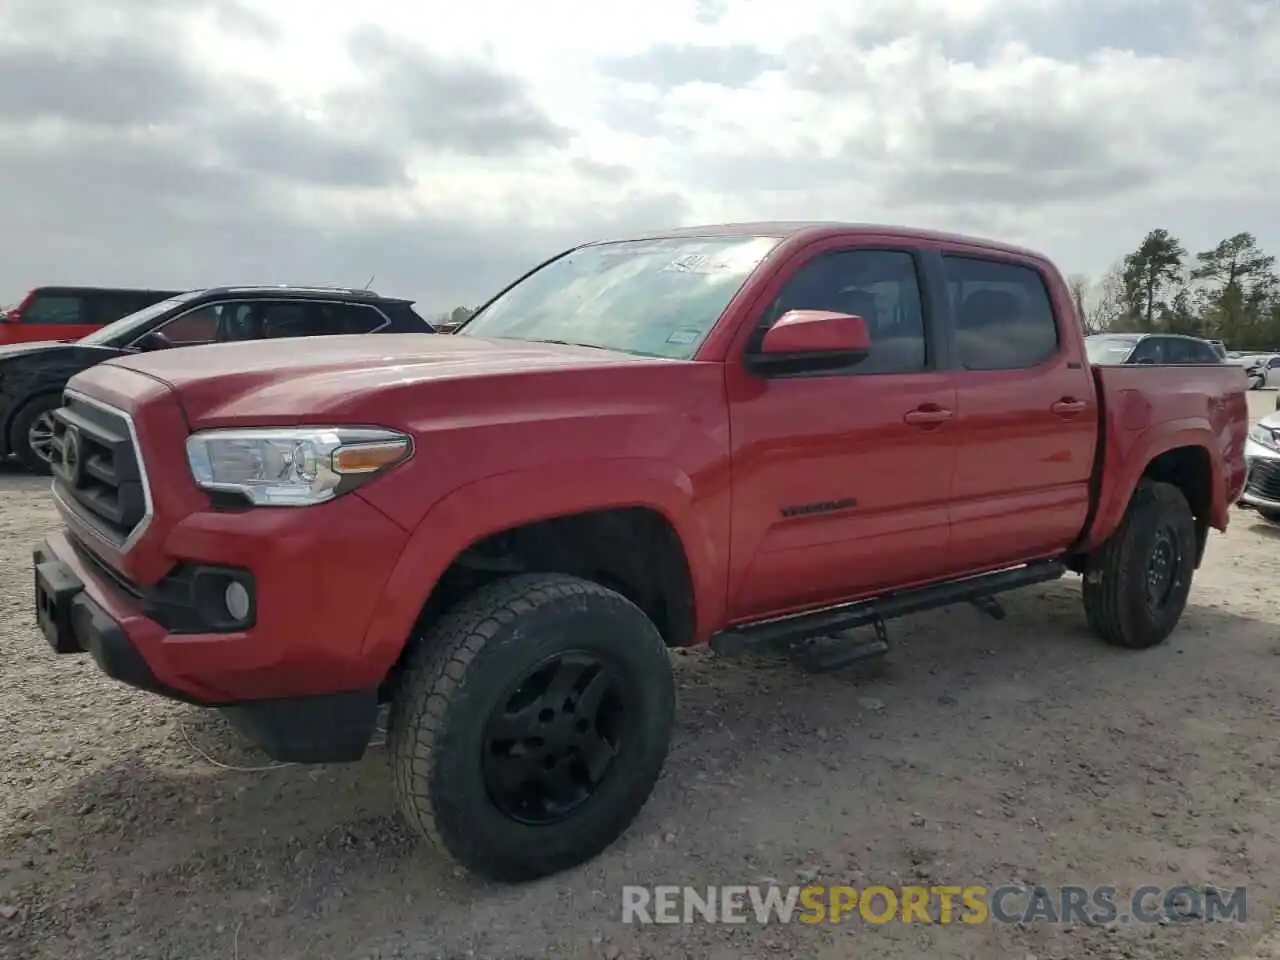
point(777, 635)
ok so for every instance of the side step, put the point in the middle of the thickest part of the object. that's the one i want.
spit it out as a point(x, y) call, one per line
point(780, 634)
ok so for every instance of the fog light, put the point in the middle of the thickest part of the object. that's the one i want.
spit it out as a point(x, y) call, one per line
point(236, 598)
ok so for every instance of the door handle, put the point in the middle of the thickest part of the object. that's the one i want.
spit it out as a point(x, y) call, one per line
point(1068, 407)
point(929, 415)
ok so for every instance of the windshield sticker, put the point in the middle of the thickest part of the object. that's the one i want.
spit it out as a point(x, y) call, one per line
point(685, 336)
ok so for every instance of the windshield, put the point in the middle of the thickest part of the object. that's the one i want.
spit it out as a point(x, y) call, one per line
point(120, 329)
point(651, 297)
point(1106, 350)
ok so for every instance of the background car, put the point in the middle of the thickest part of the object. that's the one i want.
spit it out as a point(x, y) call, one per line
point(33, 375)
point(1262, 461)
point(1262, 369)
point(68, 313)
point(1159, 348)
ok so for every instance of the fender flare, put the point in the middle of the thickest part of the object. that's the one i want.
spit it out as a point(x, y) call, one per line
point(1114, 496)
point(484, 507)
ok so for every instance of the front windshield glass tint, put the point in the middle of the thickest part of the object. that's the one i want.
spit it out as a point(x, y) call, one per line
point(120, 329)
point(1106, 350)
point(651, 297)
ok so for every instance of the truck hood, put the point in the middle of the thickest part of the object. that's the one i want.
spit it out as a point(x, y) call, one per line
point(308, 379)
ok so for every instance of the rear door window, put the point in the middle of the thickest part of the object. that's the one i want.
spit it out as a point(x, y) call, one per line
point(1177, 350)
point(1204, 353)
point(1003, 315)
point(1150, 350)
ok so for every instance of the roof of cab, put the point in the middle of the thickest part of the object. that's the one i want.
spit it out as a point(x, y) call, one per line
point(808, 230)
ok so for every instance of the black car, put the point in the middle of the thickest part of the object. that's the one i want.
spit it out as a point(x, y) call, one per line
point(33, 375)
point(1160, 348)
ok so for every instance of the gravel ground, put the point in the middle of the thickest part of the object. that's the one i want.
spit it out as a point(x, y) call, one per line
point(981, 752)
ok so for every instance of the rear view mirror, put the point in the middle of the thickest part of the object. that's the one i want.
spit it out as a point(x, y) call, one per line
point(805, 341)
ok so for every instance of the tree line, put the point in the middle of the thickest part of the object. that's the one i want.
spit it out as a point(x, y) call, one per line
point(1230, 292)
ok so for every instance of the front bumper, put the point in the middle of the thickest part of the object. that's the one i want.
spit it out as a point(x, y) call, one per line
point(80, 610)
point(1262, 477)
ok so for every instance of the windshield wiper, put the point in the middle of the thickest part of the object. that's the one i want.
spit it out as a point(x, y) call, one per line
point(566, 343)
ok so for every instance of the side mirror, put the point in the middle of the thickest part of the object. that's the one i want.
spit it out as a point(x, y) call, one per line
point(151, 341)
point(805, 341)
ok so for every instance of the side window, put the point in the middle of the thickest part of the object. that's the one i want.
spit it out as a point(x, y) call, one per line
point(1178, 350)
point(55, 309)
point(286, 319)
point(881, 286)
point(1204, 353)
point(349, 318)
point(1003, 317)
point(112, 306)
point(1273, 363)
point(1150, 350)
point(198, 326)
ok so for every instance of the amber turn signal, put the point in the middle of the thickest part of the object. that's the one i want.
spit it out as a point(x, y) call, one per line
point(369, 457)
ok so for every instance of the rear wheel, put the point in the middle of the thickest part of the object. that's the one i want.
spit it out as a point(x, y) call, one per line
point(531, 724)
point(31, 435)
point(1136, 586)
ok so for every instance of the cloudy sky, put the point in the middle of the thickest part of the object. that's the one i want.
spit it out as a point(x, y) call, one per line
point(448, 147)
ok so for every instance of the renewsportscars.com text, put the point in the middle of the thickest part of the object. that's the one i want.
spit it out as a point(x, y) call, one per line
point(941, 904)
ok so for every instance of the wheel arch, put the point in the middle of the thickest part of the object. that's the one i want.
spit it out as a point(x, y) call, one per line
point(632, 525)
point(1181, 456)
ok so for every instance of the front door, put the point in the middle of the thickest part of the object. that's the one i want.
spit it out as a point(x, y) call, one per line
point(841, 480)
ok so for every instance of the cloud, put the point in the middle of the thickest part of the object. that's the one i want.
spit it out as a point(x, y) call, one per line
point(668, 65)
point(121, 84)
point(454, 104)
point(176, 142)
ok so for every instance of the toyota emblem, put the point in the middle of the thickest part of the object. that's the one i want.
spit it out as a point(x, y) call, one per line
point(72, 461)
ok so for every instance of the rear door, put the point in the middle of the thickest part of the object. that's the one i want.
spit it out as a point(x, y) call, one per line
point(1027, 413)
point(841, 479)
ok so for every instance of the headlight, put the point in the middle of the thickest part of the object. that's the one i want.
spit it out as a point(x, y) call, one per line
point(292, 466)
point(1263, 436)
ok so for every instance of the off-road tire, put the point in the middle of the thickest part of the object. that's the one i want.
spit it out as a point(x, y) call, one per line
point(455, 677)
point(1115, 582)
point(19, 443)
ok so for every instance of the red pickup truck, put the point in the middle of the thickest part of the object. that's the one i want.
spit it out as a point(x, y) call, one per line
point(762, 436)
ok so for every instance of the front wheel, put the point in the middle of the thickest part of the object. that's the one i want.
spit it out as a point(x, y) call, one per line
point(1136, 586)
point(31, 435)
point(1272, 516)
point(1255, 383)
point(530, 725)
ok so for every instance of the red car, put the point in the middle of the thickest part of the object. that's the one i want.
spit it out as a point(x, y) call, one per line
point(759, 436)
point(69, 313)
